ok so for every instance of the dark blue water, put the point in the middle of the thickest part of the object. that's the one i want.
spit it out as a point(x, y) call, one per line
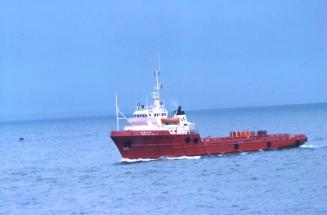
point(71, 167)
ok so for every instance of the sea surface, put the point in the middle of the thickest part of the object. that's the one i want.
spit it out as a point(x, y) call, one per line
point(70, 166)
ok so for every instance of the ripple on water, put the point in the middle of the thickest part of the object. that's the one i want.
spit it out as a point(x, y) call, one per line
point(70, 167)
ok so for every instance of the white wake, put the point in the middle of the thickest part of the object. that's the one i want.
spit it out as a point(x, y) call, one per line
point(309, 146)
point(127, 160)
point(183, 157)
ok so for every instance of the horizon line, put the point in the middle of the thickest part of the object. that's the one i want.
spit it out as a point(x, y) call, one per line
point(85, 116)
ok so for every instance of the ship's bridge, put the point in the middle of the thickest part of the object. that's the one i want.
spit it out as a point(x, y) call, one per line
point(157, 119)
point(155, 116)
point(150, 111)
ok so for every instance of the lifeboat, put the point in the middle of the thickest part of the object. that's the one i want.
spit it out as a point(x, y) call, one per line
point(168, 121)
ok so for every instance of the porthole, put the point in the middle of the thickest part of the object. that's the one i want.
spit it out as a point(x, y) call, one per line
point(187, 140)
point(268, 145)
point(236, 146)
point(127, 144)
point(196, 140)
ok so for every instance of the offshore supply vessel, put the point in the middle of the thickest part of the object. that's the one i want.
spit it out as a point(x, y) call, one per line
point(151, 133)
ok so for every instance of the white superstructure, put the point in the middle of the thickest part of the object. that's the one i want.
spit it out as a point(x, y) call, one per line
point(155, 116)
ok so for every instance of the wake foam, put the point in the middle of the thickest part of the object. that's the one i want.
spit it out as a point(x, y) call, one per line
point(127, 160)
point(309, 146)
point(183, 157)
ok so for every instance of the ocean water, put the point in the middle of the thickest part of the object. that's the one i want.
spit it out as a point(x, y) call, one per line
point(72, 167)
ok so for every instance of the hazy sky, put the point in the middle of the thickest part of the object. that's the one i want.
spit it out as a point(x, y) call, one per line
point(68, 58)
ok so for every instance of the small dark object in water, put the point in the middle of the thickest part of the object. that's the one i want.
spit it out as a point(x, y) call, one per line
point(21, 139)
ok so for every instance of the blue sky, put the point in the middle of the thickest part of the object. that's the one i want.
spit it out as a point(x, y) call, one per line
point(68, 58)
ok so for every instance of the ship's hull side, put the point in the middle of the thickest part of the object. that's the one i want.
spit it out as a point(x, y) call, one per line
point(156, 144)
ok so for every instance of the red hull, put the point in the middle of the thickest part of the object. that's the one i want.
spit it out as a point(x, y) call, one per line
point(156, 144)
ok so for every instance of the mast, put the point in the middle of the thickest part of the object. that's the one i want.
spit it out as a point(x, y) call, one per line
point(117, 113)
point(158, 87)
point(146, 102)
point(158, 55)
point(120, 115)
